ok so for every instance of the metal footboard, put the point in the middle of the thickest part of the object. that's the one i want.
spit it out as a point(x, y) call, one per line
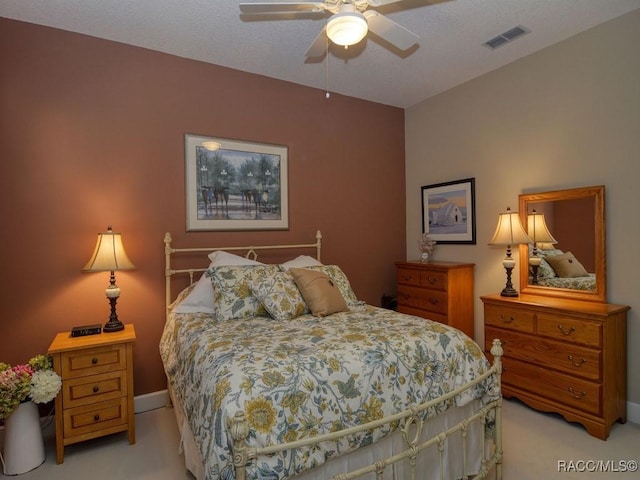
point(411, 428)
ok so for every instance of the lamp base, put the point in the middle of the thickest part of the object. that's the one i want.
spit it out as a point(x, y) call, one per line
point(113, 326)
point(509, 292)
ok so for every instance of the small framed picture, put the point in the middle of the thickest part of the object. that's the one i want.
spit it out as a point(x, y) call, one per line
point(235, 185)
point(448, 211)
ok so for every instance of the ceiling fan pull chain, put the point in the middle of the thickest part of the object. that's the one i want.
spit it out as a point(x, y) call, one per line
point(327, 94)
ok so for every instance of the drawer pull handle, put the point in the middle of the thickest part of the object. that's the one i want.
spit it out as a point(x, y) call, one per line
point(96, 418)
point(434, 300)
point(96, 389)
point(576, 363)
point(407, 278)
point(94, 361)
point(575, 394)
point(566, 331)
point(432, 280)
point(506, 319)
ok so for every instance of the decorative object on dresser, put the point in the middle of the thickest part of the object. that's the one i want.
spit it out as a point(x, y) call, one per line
point(97, 386)
point(509, 232)
point(426, 245)
point(563, 355)
point(539, 232)
point(109, 256)
point(440, 291)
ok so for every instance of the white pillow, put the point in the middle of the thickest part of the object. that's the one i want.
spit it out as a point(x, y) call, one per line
point(301, 261)
point(200, 299)
point(221, 258)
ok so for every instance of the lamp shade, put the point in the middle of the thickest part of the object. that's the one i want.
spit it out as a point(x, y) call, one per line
point(347, 27)
point(509, 230)
point(537, 228)
point(109, 254)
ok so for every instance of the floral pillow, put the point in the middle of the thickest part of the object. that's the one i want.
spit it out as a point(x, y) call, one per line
point(342, 282)
point(279, 294)
point(232, 295)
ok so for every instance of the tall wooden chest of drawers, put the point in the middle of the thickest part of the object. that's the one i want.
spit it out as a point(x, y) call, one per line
point(96, 398)
point(440, 291)
point(564, 356)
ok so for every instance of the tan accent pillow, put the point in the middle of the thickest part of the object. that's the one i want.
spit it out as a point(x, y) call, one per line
point(566, 265)
point(320, 292)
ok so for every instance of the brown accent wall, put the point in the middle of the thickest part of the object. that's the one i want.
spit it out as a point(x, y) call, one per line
point(92, 134)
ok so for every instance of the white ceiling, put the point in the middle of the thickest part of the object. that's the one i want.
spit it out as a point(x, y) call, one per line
point(449, 53)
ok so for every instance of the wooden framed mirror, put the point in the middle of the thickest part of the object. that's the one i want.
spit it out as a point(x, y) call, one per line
point(575, 220)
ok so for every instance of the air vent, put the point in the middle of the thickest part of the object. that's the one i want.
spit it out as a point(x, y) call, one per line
point(508, 36)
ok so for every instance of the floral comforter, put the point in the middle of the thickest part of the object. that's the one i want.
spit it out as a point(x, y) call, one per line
point(299, 378)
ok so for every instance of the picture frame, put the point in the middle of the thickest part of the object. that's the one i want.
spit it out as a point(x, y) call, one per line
point(448, 211)
point(235, 184)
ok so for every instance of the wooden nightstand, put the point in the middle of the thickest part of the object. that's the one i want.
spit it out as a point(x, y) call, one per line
point(96, 398)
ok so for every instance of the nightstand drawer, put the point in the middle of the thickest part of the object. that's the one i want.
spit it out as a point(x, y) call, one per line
point(95, 417)
point(94, 388)
point(570, 329)
point(93, 360)
point(509, 318)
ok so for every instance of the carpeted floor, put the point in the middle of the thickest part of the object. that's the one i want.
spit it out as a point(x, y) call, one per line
point(536, 446)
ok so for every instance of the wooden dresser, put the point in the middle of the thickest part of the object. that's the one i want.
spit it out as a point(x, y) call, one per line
point(564, 356)
point(440, 291)
point(96, 398)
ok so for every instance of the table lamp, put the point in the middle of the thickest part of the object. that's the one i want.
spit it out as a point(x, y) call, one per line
point(509, 232)
point(109, 256)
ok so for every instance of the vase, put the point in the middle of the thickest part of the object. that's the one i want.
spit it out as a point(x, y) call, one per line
point(23, 443)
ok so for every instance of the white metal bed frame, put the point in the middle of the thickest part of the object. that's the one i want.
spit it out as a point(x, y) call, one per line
point(409, 419)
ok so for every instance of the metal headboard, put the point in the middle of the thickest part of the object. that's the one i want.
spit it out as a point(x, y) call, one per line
point(251, 252)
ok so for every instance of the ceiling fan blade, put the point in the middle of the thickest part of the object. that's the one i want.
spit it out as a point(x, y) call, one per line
point(282, 7)
point(319, 46)
point(390, 31)
point(379, 3)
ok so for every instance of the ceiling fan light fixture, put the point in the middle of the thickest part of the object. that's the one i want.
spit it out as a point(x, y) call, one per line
point(347, 27)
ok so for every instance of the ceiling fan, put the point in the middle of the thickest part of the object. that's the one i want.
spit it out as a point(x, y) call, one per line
point(349, 22)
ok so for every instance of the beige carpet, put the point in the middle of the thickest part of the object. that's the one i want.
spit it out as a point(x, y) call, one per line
point(534, 444)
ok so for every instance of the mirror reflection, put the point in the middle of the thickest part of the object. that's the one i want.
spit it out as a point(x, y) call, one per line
point(567, 256)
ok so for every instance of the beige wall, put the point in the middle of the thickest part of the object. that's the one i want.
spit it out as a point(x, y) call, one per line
point(92, 133)
point(567, 116)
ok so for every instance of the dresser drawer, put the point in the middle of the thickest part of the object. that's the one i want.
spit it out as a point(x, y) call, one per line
point(509, 318)
point(555, 386)
point(408, 276)
point(570, 329)
point(435, 280)
point(94, 388)
point(436, 317)
point(93, 360)
point(95, 417)
point(571, 359)
point(424, 299)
